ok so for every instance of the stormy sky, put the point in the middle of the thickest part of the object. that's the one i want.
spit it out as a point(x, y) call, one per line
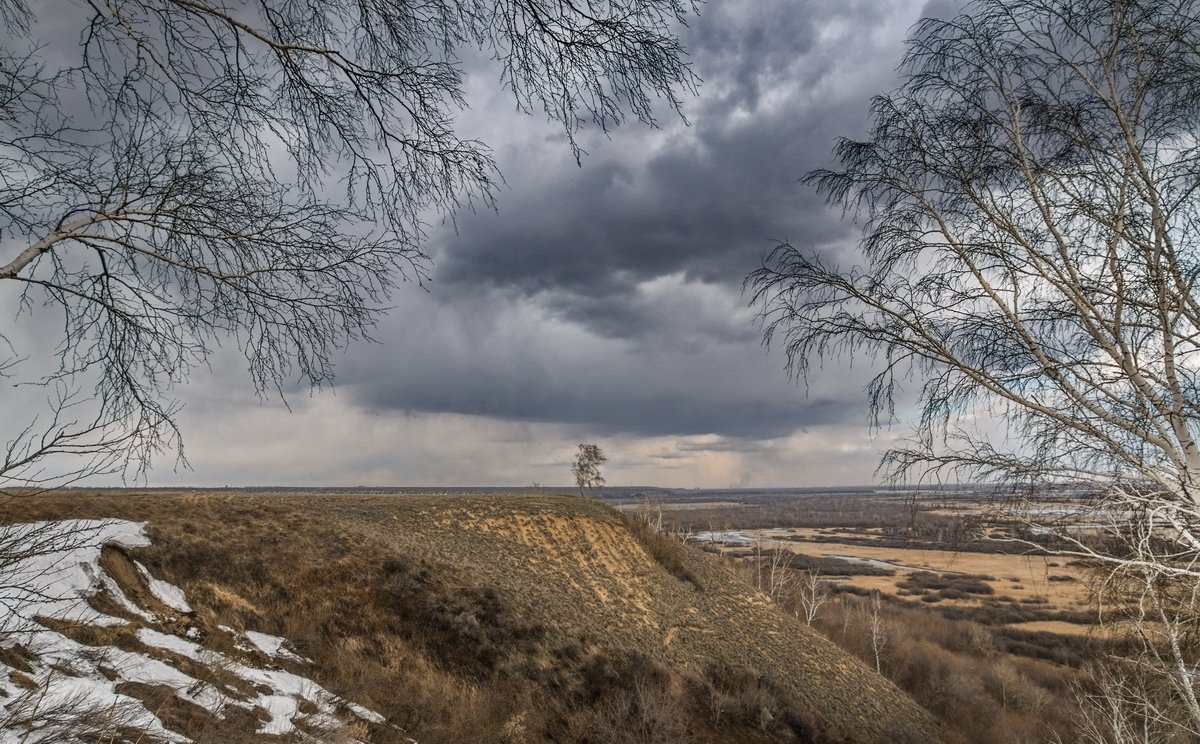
point(602, 302)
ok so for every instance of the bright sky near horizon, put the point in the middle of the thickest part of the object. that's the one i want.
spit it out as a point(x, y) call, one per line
point(602, 302)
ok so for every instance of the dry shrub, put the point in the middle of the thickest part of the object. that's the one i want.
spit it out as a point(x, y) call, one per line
point(957, 669)
point(469, 627)
point(629, 698)
point(731, 694)
point(948, 585)
point(234, 726)
point(666, 550)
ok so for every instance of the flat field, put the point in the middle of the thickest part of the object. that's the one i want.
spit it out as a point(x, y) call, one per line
point(1020, 576)
point(943, 551)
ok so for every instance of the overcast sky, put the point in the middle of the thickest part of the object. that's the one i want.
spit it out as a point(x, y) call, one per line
point(602, 302)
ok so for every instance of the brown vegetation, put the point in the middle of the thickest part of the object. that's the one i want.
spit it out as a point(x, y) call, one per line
point(986, 684)
point(508, 619)
point(1001, 647)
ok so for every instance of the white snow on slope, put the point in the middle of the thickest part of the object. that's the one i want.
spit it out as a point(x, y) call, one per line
point(286, 689)
point(48, 568)
point(275, 647)
point(65, 691)
point(168, 594)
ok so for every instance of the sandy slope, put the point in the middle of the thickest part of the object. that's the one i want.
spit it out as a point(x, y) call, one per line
point(574, 562)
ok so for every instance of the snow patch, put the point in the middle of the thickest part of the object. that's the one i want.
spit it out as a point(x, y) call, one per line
point(169, 594)
point(286, 689)
point(275, 647)
point(48, 572)
point(50, 569)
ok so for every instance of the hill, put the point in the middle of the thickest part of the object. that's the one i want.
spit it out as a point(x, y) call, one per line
point(485, 618)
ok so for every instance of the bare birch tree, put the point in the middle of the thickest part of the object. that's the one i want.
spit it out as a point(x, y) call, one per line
point(1118, 707)
point(811, 594)
point(179, 174)
point(586, 468)
point(876, 630)
point(1029, 209)
point(773, 573)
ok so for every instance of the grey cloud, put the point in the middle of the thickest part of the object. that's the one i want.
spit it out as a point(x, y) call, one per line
point(604, 299)
point(679, 318)
point(607, 297)
point(614, 406)
point(505, 359)
point(943, 8)
point(708, 201)
point(725, 444)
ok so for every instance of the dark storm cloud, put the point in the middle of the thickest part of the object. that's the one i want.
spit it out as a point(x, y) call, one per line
point(607, 297)
point(710, 203)
point(608, 408)
point(506, 358)
point(664, 314)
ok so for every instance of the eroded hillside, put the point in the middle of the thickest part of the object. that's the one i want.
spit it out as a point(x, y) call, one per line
point(502, 618)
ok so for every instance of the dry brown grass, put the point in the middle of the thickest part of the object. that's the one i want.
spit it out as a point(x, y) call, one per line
point(499, 618)
point(235, 726)
point(959, 670)
point(1033, 574)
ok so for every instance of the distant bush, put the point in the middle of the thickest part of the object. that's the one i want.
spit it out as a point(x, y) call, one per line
point(1004, 613)
point(609, 673)
point(1071, 650)
point(949, 585)
point(739, 695)
point(469, 627)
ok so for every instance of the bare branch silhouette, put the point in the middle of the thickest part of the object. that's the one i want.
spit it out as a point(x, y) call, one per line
point(1029, 210)
point(192, 173)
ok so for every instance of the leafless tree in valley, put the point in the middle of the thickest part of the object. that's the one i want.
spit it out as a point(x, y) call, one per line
point(773, 574)
point(876, 629)
point(811, 594)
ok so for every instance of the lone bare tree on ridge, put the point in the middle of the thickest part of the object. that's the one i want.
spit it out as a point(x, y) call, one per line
point(180, 174)
point(1029, 202)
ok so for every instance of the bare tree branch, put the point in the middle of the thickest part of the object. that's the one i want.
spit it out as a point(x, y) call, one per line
point(190, 173)
point(1030, 215)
